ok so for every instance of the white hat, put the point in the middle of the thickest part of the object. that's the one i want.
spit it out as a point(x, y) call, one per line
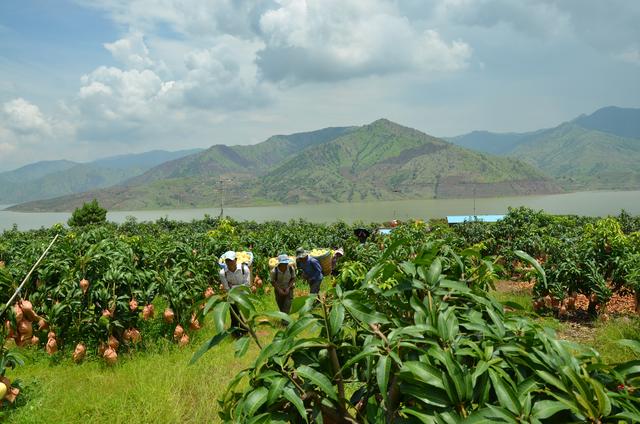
point(230, 255)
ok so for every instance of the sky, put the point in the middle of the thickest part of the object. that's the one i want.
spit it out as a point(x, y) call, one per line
point(84, 79)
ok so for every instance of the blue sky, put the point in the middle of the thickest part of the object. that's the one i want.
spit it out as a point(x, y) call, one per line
point(90, 78)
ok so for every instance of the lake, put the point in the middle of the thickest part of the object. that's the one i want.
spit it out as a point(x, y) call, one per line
point(595, 203)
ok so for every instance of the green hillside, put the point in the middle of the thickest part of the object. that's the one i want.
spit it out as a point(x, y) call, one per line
point(379, 161)
point(34, 171)
point(74, 180)
point(384, 160)
point(584, 159)
point(588, 153)
point(490, 142)
point(44, 180)
point(241, 161)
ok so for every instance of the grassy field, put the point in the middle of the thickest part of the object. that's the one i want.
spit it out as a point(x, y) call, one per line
point(155, 386)
point(152, 388)
point(158, 385)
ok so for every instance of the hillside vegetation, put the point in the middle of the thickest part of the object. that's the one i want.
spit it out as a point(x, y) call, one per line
point(43, 180)
point(379, 161)
point(597, 151)
point(384, 160)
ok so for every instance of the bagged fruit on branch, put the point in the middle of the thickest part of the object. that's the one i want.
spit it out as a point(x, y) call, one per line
point(79, 352)
point(168, 315)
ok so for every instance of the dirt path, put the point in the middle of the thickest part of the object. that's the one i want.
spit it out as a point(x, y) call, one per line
point(514, 287)
point(579, 326)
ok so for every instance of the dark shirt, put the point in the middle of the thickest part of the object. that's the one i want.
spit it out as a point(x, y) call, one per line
point(311, 269)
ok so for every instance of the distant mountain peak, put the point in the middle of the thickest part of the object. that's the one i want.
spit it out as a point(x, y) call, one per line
point(385, 123)
point(620, 121)
point(382, 121)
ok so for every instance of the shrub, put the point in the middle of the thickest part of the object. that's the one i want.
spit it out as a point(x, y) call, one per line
point(89, 213)
point(433, 348)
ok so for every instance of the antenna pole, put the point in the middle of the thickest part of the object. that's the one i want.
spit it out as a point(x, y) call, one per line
point(221, 197)
point(474, 200)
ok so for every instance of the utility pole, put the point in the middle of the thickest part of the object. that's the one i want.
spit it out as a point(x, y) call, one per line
point(221, 189)
point(474, 200)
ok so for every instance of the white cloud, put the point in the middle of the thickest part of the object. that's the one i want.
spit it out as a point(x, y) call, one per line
point(24, 118)
point(7, 141)
point(114, 93)
point(27, 133)
point(303, 39)
point(199, 72)
point(337, 39)
point(224, 76)
point(131, 51)
point(112, 102)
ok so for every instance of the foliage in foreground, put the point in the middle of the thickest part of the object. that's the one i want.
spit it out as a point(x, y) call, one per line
point(433, 348)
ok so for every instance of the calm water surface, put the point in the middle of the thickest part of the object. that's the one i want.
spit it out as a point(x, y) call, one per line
point(597, 203)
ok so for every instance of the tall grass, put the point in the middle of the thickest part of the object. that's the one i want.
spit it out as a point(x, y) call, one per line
point(156, 386)
point(148, 388)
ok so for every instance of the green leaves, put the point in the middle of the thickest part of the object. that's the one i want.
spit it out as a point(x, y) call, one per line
point(295, 400)
point(220, 312)
point(317, 379)
point(505, 393)
point(241, 346)
point(336, 318)
point(240, 296)
point(301, 305)
point(382, 375)
point(423, 373)
point(213, 342)
point(547, 408)
point(535, 264)
point(447, 325)
point(415, 317)
point(255, 400)
point(434, 272)
point(361, 312)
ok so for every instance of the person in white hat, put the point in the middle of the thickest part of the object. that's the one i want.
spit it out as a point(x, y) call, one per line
point(283, 279)
point(232, 275)
point(334, 261)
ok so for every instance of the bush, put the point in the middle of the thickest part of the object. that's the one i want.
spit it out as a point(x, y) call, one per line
point(89, 213)
point(434, 348)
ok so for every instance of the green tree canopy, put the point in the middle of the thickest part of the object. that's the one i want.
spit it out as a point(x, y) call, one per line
point(89, 213)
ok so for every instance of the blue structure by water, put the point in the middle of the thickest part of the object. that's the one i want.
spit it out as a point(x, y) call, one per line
point(459, 219)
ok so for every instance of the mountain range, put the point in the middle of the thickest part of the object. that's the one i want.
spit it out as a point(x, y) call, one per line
point(379, 161)
point(597, 151)
point(47, 179)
